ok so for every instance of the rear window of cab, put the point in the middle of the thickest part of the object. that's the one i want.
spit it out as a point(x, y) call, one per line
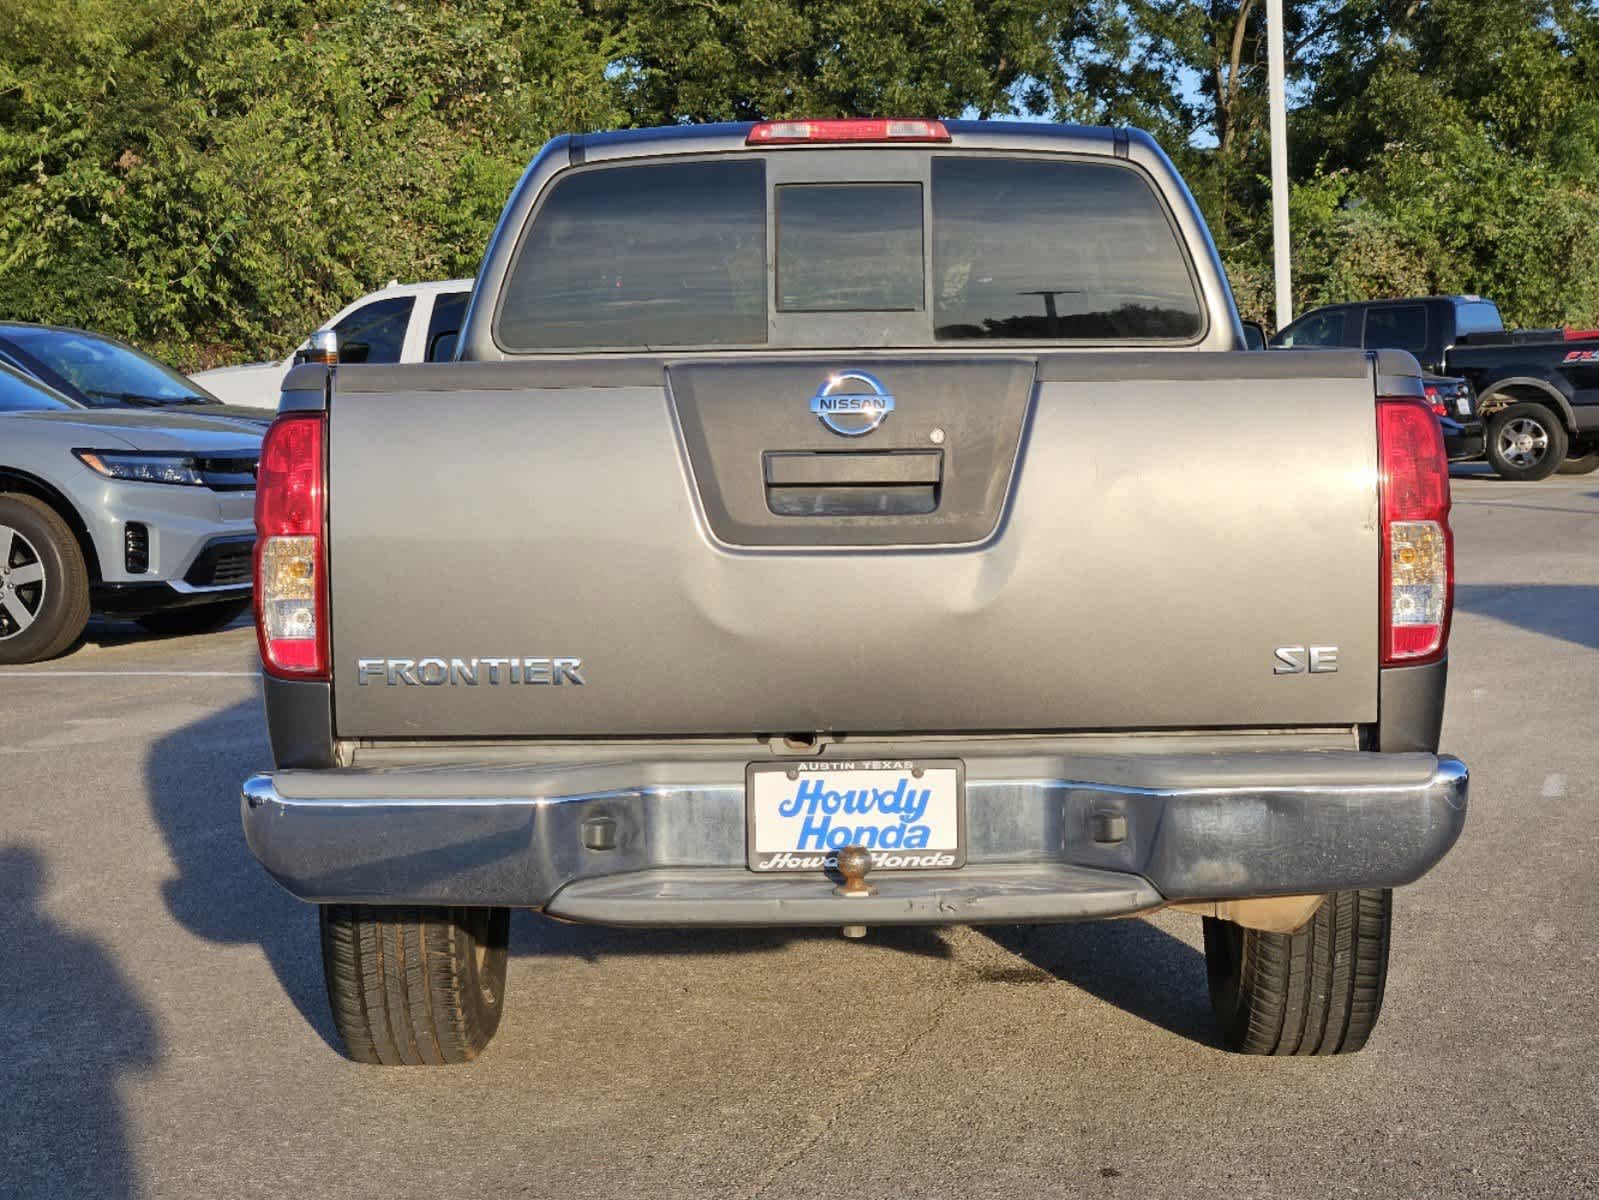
point(703, 253)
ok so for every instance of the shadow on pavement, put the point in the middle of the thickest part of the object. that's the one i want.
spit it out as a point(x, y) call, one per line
point(538, 935)
point(1131, 964)
point(222, 894)
point(106, 631)
point(1567, 611)
point(192, 776)
point(69, 1043)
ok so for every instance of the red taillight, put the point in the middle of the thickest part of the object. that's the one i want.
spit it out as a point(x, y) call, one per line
point(782, 133)
point(291, 604)
point(1439, 405)
point(1418, 551)
point(1581, 335)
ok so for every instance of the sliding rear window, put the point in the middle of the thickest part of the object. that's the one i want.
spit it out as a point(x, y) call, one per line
point(642, 256)
point(1052, 251)
point(867, 249)
point(849, 247)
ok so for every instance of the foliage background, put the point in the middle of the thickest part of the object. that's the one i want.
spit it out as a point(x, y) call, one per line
point(211, 178)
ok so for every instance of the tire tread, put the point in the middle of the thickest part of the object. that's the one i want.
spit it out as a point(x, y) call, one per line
point(1315, 992)
point(403, 982)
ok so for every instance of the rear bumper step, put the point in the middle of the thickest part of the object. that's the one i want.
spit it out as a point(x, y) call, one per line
point(1047, 839)
point(975, 894)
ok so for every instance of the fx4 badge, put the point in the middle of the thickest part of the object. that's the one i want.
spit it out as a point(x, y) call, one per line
point(1303, 660)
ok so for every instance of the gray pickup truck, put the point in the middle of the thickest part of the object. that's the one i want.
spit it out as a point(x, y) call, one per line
point(853, 524)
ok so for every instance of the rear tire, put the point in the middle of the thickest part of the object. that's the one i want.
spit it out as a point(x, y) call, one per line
point(1580, 464)
point(1526, 442)
point(44, 582)
point(1318, 991)
point(414, 986)
point(196, 618)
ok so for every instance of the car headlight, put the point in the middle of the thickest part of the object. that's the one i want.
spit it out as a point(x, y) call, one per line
point(142, 466)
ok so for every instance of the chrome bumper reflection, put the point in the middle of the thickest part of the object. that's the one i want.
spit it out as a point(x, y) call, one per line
point(673, 852)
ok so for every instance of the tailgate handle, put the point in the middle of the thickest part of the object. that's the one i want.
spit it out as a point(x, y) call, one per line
point(800, 468)
point(844, 483)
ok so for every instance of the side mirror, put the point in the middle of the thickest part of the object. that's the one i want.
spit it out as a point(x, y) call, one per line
point(321, 347)
point(442, 348)
point(1254, 335)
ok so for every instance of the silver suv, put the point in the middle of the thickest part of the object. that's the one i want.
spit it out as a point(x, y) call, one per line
point(139, 514)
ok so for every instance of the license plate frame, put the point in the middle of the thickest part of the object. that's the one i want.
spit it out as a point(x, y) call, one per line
point(948, 785)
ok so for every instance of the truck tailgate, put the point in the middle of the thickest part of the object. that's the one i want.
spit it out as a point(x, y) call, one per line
point(1054, 542)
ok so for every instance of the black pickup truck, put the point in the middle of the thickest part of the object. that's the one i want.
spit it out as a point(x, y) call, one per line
point(1537, 389)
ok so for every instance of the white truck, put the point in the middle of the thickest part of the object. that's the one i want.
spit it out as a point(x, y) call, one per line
point(401, 323)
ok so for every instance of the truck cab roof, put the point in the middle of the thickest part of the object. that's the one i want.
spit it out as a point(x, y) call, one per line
point(737, 135)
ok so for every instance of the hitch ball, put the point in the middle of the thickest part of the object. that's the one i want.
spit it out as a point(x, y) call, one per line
point(853, 863)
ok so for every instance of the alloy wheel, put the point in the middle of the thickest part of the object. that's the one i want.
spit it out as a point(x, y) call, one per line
point(22, 583)
point(1523, 442)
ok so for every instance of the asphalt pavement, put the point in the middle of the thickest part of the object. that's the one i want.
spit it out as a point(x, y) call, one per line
point(163, 1030)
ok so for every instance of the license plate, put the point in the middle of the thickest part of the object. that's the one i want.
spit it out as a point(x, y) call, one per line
point(1463, 405)
point(911, 814)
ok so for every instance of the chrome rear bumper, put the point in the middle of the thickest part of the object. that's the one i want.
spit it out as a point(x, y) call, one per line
point(1047, 839)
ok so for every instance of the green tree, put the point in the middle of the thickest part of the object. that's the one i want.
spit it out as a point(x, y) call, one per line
point(1194, 75)
point(1461, 136)
point(210, 177)
point(747, 59)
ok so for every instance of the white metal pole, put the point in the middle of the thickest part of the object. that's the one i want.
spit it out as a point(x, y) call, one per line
point(1279, 162)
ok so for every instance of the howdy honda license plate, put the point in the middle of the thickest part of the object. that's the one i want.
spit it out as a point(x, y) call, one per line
point(910, 814)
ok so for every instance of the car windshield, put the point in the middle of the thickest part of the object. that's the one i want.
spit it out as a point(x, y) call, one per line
point(106, 372)
point(20, 394)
